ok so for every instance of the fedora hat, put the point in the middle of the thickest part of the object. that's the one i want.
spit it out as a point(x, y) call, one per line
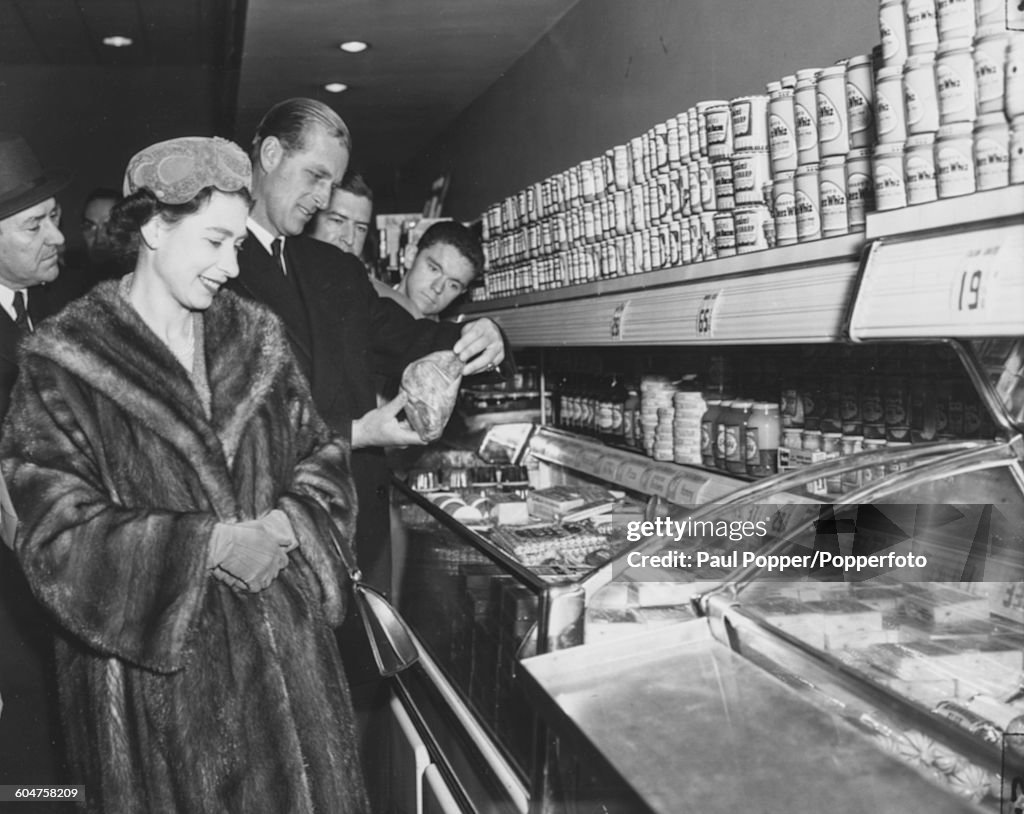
point(23, 181)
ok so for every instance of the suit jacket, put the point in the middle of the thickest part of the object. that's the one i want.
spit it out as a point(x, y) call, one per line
point(345, 339)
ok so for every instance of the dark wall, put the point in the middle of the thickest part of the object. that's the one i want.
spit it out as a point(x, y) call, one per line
point(611, 69)
point(76, 117)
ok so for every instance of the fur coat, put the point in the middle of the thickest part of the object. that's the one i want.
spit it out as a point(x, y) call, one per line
point(179, 694)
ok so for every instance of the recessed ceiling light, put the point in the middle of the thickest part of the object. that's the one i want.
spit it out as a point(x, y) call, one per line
point(354, 46)
point(335, 87)
point(117, 41)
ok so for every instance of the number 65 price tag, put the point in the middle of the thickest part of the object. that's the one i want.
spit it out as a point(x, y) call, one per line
point(706, 315)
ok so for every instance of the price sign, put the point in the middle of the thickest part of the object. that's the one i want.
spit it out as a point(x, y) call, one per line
point(956, 284)
point(618, 315)
point(971, 280)
point(706, 315)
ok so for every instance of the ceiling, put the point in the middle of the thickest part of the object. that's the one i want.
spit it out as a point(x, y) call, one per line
point(426, 63)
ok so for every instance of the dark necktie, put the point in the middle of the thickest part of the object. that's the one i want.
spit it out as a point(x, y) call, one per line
point(21, 319)
point(276, 246)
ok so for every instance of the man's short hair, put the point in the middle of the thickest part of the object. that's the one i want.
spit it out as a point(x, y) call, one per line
point(102, 194)
point(459, 237)
point(354, 184)
point(290, 120)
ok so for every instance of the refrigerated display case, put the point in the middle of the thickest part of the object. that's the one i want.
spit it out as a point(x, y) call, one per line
point(913, 658)
point(718, 664)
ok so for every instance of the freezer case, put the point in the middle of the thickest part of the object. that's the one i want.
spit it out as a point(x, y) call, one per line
point(864, 655)
point(480, 597)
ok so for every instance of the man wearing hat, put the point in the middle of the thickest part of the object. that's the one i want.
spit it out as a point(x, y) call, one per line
point(30, 242)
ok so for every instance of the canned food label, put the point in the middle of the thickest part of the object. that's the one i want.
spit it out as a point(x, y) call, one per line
point(741, 123)
point(806, 128)
point(920, 179)
point(706, 429)
point(915, 109)
point(780, 137)
point(953, 90)
point(956, 17)
point(954, 171)
point(889, 116)
point(889, 189)
point(858, 109)
point(993, 163)
point(830, 122)
point(807, 220)
point(833, 207)
point(859, 191)
point(785, 216)
point(733, 450)
point(751, 448)
point(921, 30)
point(892, 45)
point(989, 75)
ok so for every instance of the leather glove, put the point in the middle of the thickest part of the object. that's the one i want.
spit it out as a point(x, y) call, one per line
point(249, 555)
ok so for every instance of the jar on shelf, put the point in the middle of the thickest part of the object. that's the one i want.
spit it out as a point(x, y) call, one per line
point(860, 101)
point(832, 195)
point(736, 422)
point(991, 151)
point(784, 208)
point(954, 159)
point(807, 199)
point(889, 187)
point(921, 27)
point(922, 103)
point(890, 109)
point(1017, 151)
point(749, 122)
point(782, 130)
point(892, 28)
point(860, 188)
point(990, 47)
point(833, 126)
point(955, 81)
point(919, 169)
point(762, 439)
point(805, 114)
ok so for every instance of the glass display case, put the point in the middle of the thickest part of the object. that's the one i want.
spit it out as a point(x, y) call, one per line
point(894, 619)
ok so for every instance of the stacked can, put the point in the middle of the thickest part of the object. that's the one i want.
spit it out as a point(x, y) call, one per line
point(656, 408)
point(689, 407)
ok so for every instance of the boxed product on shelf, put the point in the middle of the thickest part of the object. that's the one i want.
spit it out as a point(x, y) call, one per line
point(556, 501)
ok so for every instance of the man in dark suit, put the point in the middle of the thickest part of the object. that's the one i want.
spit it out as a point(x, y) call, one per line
point(30, 243)
point(344, 336)
point(340, 331)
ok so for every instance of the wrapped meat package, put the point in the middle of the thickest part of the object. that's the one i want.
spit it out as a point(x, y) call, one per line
point(431, 386)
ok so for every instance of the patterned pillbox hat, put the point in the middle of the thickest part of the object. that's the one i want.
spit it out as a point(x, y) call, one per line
point(176, 170)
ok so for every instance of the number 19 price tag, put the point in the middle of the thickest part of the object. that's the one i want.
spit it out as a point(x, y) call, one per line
point(706, 315)
point(971, 281)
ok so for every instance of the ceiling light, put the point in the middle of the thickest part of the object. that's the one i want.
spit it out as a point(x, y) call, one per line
point(117, 41)
point(335, 87)
point(354, 46)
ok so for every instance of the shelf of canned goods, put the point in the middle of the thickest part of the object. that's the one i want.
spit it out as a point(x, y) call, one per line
point(742, 209)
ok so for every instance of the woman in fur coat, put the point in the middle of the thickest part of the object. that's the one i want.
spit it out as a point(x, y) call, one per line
point(175, 488)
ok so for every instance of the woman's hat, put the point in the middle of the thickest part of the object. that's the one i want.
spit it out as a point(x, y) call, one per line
point(23, 181)
point(176, 170)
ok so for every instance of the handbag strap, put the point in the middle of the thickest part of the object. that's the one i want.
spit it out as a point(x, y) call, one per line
point(343, 553)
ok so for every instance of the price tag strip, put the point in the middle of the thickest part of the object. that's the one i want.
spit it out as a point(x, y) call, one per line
point(706, 315)
point(960, 284)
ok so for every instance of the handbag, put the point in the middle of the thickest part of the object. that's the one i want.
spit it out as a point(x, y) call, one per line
point(391, 641)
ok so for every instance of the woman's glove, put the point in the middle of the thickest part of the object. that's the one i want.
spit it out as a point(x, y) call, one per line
point(249, 555)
